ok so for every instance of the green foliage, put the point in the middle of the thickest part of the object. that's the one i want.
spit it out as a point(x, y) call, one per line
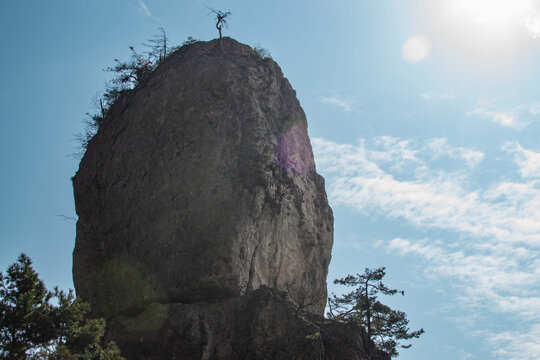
point(385, 326)
point(314, 337)
point(93, 123)
point(190, 40)
point(128, 76)
point(32, 328)
point(25, 312)
point(262, 52)
point(79, 337)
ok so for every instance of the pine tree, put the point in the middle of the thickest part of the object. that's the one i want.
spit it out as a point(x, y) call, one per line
point(384, 326)
point(31, 327)
point(25, 312)
point(77, 336)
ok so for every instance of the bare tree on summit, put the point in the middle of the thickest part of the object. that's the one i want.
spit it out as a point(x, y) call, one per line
point(221, 18)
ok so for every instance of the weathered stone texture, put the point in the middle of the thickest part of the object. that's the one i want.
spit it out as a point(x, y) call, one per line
point(258, 326)
point(201, 186)
point(203, 224)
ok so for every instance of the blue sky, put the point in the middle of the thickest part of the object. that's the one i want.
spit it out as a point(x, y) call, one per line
point(424, 117)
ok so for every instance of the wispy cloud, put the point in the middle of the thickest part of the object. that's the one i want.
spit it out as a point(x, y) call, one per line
point(507, 117)
point(528, 161)
point(493, 254)
point(532, 25)
point(344, 102)
point(144, 9)
point(503, 280)
point(534, 109)
point(430, 95)
point(403, 152)
point(439, 148)
point(398, 180)
point(518, 345)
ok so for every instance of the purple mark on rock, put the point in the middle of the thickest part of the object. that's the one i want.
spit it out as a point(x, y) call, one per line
point(293, 151)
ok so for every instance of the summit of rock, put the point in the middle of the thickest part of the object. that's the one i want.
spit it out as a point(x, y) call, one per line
point(198, 203)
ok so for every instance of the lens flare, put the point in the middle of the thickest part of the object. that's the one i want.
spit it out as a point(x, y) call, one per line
point(293, 151)
point(415, 49)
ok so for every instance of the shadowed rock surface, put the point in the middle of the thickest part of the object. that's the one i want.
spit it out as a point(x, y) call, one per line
point(199, 189)
point(258, 326)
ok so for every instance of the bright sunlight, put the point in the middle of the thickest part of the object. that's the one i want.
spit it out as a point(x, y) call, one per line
point(492, 18)
point(485, 31)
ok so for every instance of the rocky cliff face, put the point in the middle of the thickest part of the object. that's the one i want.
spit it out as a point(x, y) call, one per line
point(257, 326)
point(199, 190)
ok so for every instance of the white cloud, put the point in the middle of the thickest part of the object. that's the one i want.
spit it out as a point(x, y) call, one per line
point(144, 9)
point(505, 280)
point(504, 277)
point(428, 197)
point(493, 256)
point(344, 102)
point(534, 109)
point(518, 345)
point(401, 152)
point(532, 25)
point(528, 161)
point(439, 147)
point(512, 118)
point(430, 95)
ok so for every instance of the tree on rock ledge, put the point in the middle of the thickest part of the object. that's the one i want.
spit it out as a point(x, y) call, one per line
point(384, 326)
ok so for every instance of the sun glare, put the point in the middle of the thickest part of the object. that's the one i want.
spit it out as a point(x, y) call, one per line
point(492, 19)
point(491, 33)
point(492, 12)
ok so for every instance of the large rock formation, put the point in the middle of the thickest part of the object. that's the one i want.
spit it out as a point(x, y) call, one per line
point(199, 189)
